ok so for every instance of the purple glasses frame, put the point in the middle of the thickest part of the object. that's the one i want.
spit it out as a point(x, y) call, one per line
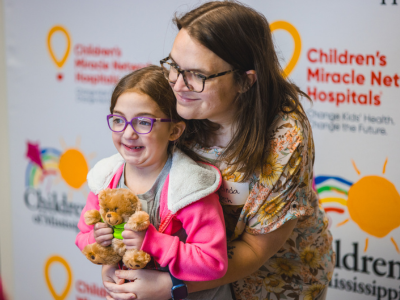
point(152, 120)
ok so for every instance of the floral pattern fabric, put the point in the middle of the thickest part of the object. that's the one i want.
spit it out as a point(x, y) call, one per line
point(303, 267)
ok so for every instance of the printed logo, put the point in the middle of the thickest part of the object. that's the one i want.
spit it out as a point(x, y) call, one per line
point(48, 167)
point(283, 25)
point(59, 61)
point(60, 291)
point(372, 202)
point(56, 259)
point(96, 67)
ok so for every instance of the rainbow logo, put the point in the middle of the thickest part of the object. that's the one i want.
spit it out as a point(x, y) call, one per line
point(372, 202)
point(42, 163)
point(69, 165)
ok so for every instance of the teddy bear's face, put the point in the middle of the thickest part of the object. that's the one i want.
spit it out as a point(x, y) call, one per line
point(117, 205)
point(136, 259)
point(93, 257)
point(100, 255)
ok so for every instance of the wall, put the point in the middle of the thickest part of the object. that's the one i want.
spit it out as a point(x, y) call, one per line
point(62, 59)
point(6, 256)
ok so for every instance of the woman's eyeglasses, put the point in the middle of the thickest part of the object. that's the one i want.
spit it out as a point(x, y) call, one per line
point(141, 125)
point(194, 81)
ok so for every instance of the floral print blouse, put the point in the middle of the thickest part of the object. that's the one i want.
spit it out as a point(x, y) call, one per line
point(303, 267)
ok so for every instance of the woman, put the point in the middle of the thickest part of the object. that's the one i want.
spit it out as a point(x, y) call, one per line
point(247, 119)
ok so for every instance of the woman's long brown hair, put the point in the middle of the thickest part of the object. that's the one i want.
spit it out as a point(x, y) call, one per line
point(241, 36)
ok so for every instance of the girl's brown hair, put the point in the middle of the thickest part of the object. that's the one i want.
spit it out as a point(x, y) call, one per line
point(241, 36)
point(151, 81)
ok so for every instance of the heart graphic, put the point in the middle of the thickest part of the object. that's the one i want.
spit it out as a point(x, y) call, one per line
point(58, 62)
point(64, 263)
point(297, 43)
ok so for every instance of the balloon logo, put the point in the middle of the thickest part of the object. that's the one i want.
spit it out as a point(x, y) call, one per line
point(297, 44)
point(63, 262)
point(59, 61)
point(58, 28)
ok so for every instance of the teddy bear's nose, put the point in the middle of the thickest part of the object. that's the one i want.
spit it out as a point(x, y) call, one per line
point(108, 215)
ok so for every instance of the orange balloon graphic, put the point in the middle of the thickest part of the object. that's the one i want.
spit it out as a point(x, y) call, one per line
point(374, 204)
point(297, 43)
point(64, 263)
point(59, 62)
point(73, 168)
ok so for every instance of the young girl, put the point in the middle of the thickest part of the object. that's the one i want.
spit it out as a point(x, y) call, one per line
point(187, 234)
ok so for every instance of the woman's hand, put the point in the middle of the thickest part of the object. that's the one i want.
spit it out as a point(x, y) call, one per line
point(145, 285)
point(133, 239)
point(103, 234)
point(248, 254)
point(108, 274)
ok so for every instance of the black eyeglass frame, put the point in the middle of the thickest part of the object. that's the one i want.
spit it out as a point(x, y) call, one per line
point(180, 71)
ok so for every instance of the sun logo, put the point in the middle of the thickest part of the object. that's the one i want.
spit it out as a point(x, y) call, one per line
point(69, 165)
point(373, 202)
point(73, 166)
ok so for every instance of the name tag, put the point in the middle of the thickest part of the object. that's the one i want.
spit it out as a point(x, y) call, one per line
point(233, 193)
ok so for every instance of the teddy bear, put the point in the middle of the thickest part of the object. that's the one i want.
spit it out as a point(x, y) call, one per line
point(117, 207)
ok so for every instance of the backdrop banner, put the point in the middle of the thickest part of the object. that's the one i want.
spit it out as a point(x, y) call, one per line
point(64, 57)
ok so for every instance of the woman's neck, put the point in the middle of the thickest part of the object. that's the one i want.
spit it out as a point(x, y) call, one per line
point(140, 179)
point(223, 135)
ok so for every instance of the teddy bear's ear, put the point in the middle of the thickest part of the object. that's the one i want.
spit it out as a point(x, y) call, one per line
point(134, 200)
point(103, 194)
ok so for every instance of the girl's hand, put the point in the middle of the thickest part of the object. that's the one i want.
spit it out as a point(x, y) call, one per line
point(133, 239)
point(147, 285)
point(108, 274)
point(103, 234)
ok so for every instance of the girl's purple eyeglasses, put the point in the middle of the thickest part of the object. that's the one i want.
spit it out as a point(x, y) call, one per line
point(141, 125)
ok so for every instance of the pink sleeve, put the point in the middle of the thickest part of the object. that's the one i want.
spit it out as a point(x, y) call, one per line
point(85, 236)
point(204, 255)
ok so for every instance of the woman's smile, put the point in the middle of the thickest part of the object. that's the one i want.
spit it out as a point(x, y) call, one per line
point(185, 99)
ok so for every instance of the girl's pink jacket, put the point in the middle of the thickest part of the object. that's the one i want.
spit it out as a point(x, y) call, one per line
point(188, 200)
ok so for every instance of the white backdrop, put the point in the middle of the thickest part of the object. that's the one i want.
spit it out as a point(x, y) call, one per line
point(64, 57)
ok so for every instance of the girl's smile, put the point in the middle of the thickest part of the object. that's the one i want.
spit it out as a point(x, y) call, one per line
point(133, 148)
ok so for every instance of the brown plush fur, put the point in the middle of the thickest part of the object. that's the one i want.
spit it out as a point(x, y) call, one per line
point(135, 259)
point(100, 255)
point(118, 206)
point(92, 217)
